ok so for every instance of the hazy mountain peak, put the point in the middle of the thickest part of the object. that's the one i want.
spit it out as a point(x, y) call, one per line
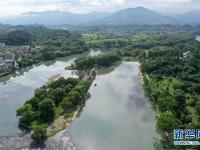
point(130, 16)
point(136, 16)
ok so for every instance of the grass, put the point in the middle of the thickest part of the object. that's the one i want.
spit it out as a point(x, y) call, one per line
point(95, 39)
point(194, 114)
point(141, 37)
point(38, 123)
point(99, 41)
point(59, 111)
point(56, 130)
point(89, 36)
point(167, 84)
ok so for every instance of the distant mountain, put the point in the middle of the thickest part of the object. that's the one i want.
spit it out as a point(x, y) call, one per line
point(191, 18)
point(136, 16)
point(55, 18)
point(130, 16)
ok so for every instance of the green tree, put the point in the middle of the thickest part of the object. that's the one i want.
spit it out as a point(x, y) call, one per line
point(197, 106)
point(41, 93)
point(47, 110)
point(57, 95)
point(75, 97)
point(66, 103)
point(18, 37)
point(39, 135)
point(26, 118)
point(180, 99)
point(166, 103)
point(167, 122)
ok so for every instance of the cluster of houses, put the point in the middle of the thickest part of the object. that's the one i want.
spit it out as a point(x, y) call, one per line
point(8, 55)
point(7, 58)
point(185, 55)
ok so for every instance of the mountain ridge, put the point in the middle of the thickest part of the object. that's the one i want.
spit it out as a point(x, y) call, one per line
point(129, 16)
point(136, 16)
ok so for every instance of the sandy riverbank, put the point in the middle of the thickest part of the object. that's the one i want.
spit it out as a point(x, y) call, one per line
point(55, 77)
point(141, 77)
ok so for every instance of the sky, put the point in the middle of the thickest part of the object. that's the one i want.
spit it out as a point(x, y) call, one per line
point(10, 8)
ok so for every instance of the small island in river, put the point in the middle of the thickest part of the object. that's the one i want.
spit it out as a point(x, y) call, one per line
point(53, 107)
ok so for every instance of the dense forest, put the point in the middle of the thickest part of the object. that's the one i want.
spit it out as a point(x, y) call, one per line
point(172, 81)
point(140, 40)
point(57, 43)
point(57, 98)
point(54, 42)
point(104, 60)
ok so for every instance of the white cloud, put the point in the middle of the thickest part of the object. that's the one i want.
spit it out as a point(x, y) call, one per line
point(16, 7)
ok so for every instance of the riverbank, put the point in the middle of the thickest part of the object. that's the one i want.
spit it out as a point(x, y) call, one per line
point(64, 121)
point(14, 73)
point(141, 77)
point(54, 77)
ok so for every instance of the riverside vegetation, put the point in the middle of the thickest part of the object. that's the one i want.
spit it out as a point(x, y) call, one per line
point(60, 97)
point(88, 62)
point(52, 43)
point(170, 65)
point(171, 69)
point(172, 82)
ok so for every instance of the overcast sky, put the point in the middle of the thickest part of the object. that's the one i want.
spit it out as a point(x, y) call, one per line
point(16, 7)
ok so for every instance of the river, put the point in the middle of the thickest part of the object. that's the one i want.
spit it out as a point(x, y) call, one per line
point(118, 116)
point(15, 91)
point(198, 38)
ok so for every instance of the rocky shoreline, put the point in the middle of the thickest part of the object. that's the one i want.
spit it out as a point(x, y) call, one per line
point(61, 141)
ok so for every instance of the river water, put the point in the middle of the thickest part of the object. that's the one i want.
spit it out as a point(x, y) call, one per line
point(118, 116)
point(17, 88)
point(198, 38)
point(15, 91)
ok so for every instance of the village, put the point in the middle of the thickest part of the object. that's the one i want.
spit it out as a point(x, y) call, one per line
point(9, 56)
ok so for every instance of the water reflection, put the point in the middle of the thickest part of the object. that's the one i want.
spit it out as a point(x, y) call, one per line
point(17, 90)
point(117, 116)
point(94, 53)
point(198, 38)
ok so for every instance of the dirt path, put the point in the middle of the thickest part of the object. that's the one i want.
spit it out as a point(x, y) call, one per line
point(62, 123)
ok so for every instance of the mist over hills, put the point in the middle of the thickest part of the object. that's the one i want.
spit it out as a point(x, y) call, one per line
point(55, 18)
point(191, 17)
point(136, 16)
point(130, 16)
